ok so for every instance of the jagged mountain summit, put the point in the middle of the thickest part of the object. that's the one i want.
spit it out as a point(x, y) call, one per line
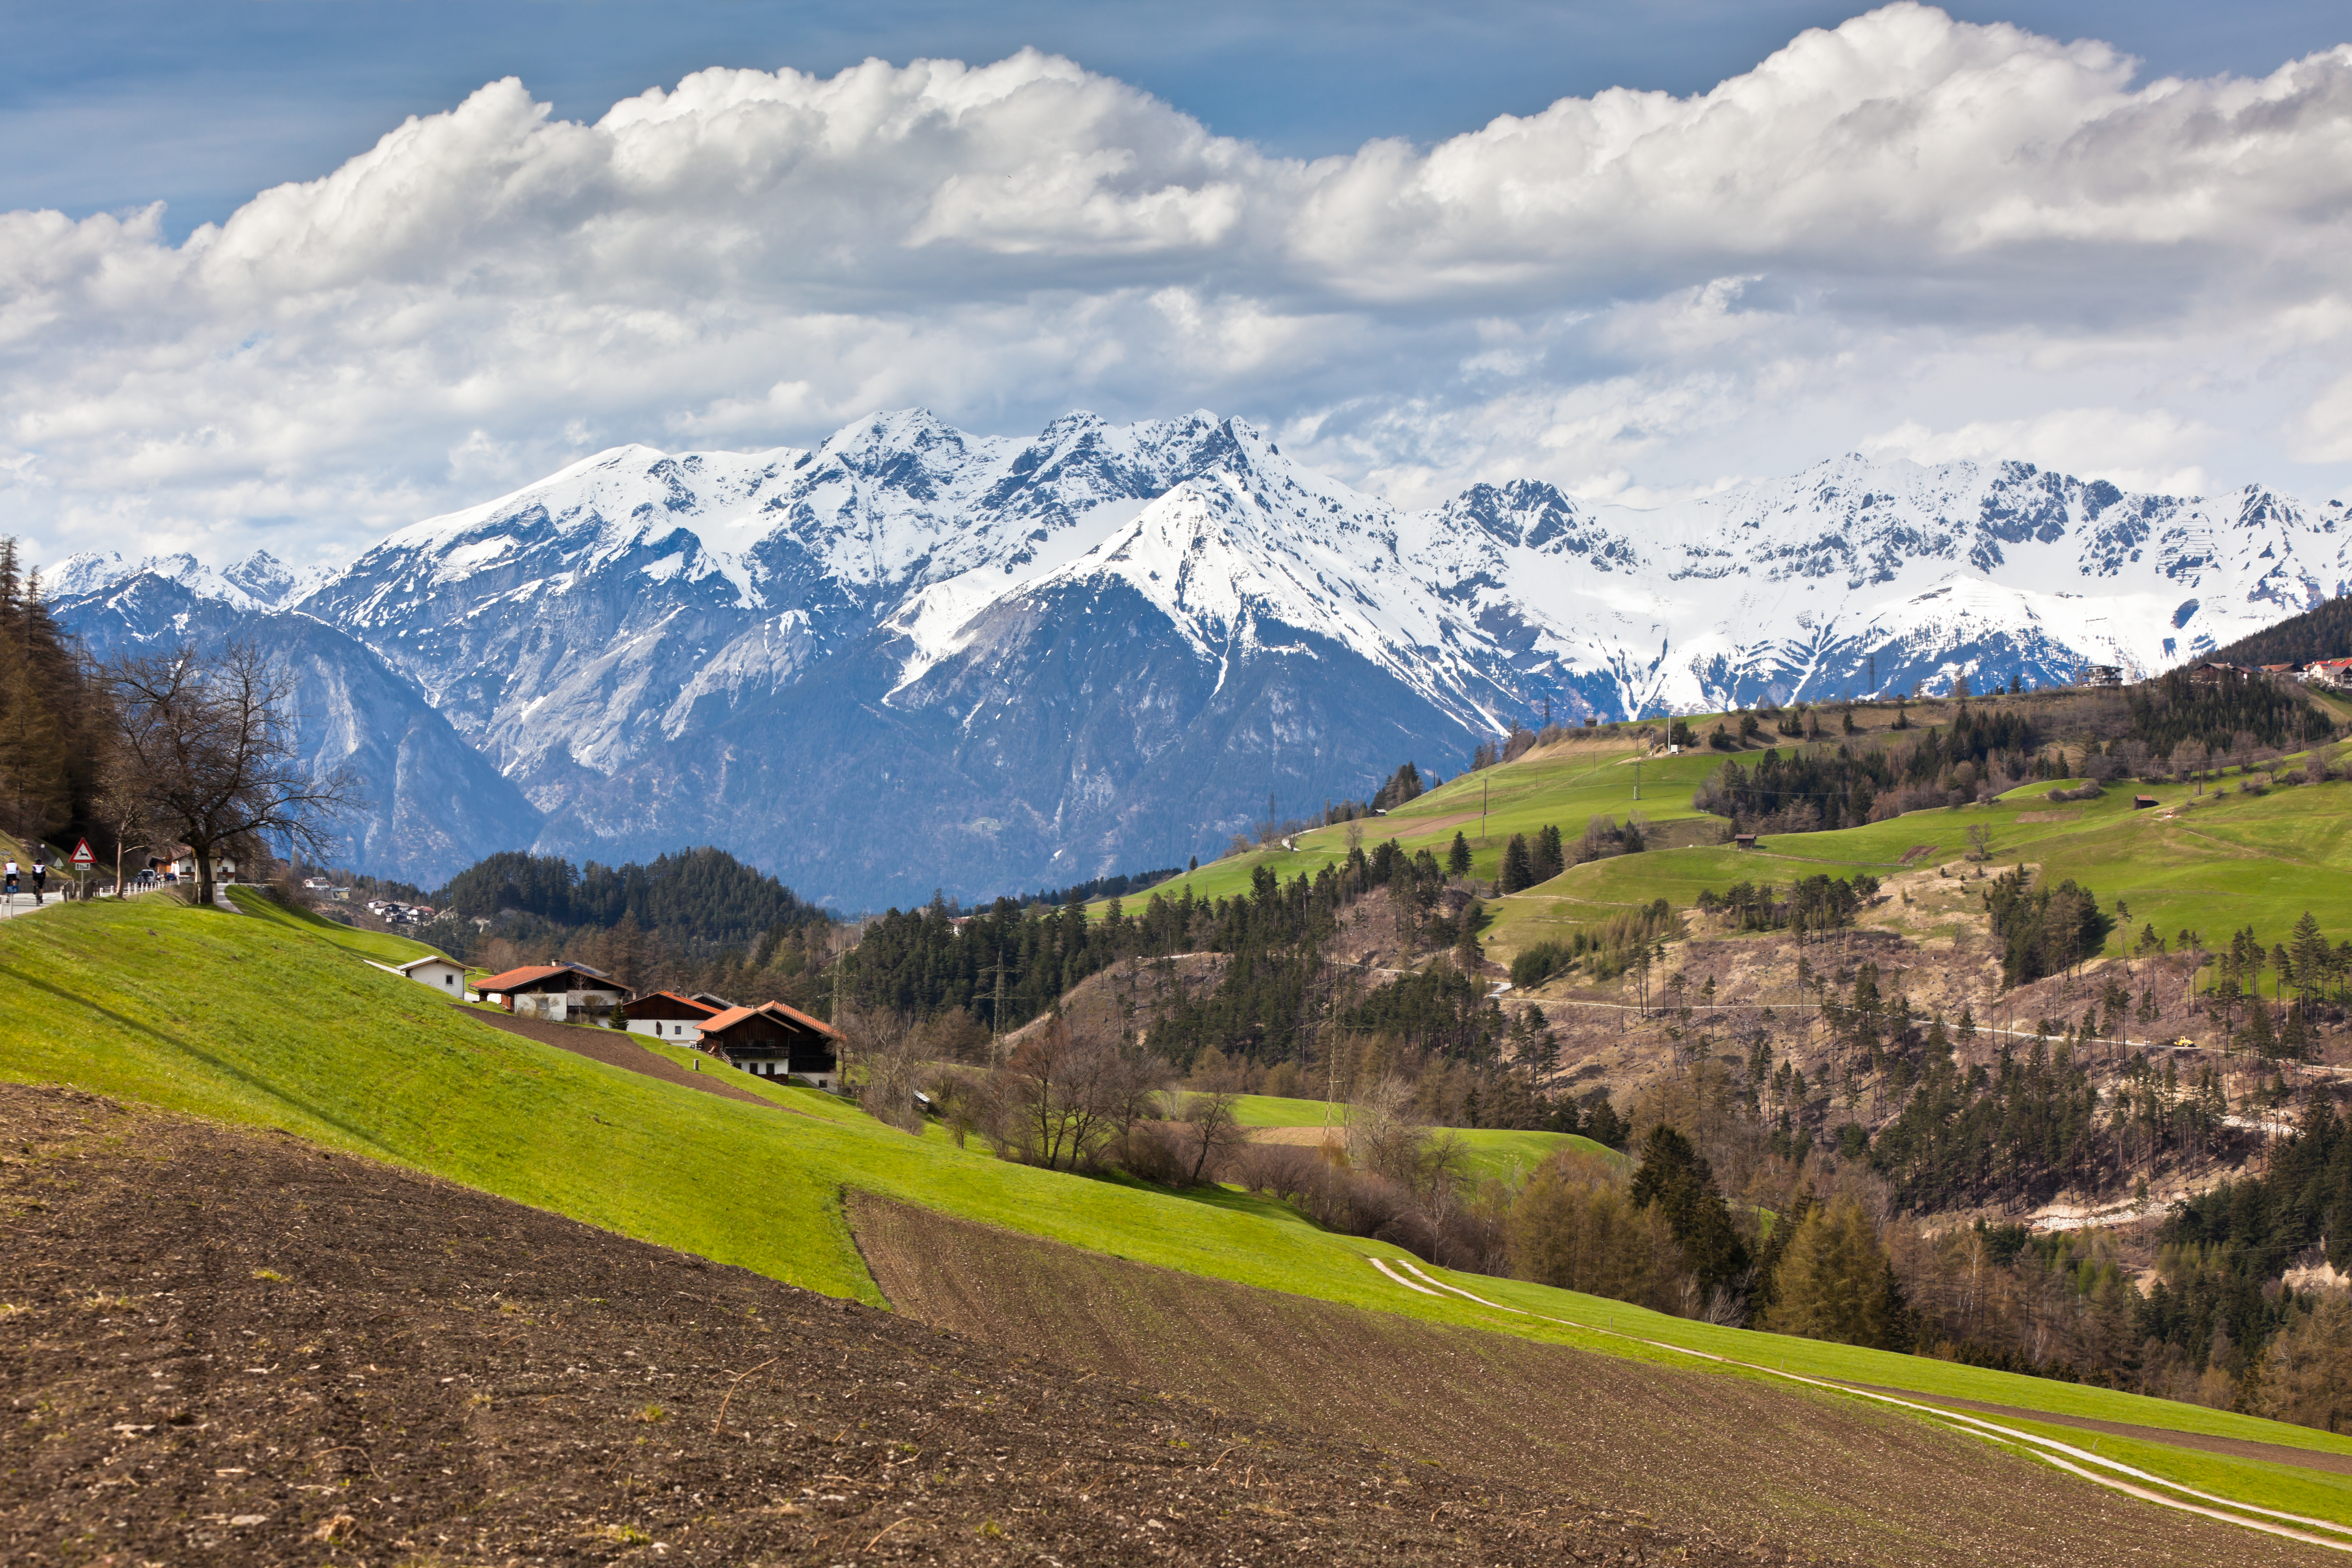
point(913, 657)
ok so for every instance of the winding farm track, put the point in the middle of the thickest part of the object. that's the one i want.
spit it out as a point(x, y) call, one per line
point(2112, 1474)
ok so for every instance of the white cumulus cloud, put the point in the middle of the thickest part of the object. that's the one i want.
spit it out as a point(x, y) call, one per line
point(1905, 234)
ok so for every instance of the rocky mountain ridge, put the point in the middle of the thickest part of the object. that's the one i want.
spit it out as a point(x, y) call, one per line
point(914, 656)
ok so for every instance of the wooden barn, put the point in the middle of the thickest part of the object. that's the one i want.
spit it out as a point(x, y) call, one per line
point(772, 1040)
point(668, 1015)
point(558, 992)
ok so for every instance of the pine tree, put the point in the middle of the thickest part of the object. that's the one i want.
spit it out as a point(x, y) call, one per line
point(2308, 955)
point(1457, 857)
point(1519, 866)
point(1834, 1282)
point(1550, 860)
point(47, 758)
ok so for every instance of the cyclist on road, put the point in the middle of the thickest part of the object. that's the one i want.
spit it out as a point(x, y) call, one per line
point(40, 876)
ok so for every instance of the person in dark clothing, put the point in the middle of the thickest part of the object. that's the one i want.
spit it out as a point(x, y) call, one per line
point(40, 876)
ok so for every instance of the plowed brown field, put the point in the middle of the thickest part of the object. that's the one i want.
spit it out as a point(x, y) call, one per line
point(1730, 1457)
point(225, 1347)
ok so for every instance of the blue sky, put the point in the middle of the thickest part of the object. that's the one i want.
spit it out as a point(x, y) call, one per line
point(293, 274)
point(110, 105)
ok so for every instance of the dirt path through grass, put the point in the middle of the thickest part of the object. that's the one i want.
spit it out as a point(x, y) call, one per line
point(2236, 1447)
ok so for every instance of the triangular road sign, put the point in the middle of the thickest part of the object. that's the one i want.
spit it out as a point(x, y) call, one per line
point(82, 854)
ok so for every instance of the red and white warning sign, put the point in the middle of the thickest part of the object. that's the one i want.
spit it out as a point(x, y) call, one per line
point(82, 854)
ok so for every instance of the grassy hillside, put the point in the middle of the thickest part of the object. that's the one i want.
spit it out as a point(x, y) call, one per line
point(2212, 862)
point(258, 1019)
point(1563, 787)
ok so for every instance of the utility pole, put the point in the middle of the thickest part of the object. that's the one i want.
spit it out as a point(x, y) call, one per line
point(1637, 778)
point(1483, 787)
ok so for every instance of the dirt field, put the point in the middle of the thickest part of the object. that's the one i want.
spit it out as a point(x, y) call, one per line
point(225, 1347)
point(1731, 1458)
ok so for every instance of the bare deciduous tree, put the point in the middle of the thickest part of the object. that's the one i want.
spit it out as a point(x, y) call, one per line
point(205, 745)
point(1210, 1133)
point(884, 1047)
point(1074, 1095)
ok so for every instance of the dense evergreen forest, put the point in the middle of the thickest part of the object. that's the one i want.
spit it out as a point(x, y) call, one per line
point(2225, 1247)
point(1821, 789)
point(2322, 633)
point(1008, 965)
point(2218, 712)
point(53, 715)
point(699, 899)
point(1112, 887)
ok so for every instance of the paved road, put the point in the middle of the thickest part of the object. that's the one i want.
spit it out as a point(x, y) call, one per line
point(22, 904)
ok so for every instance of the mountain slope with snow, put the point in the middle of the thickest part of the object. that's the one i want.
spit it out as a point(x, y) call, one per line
point(914, 656)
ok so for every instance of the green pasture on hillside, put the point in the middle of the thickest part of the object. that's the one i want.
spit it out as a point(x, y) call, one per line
point(2212, 862)
point(263, 1020)
point(1565, 789)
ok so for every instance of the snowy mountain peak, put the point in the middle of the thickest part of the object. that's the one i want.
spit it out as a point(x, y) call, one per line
point(259, 582)
point(1101, 645)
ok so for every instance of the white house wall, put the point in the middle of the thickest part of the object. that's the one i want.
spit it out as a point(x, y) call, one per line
point(674, 1030)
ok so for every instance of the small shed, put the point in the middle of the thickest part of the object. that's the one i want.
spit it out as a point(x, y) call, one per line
point(555, 992)
point(1744, 840)
point(666, 1016)
point(441, 973)
point(772, 1040)
point(2142, 802)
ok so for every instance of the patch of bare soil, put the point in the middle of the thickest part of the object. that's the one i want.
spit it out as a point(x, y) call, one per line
point(614, 1048)
point(1374, 935)
point(1131, 994)
point(1303, 1137)
point(1731, 1459)
point(226, 1347)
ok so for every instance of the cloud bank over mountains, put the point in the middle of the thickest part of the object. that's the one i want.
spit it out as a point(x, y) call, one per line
point(1908, 237)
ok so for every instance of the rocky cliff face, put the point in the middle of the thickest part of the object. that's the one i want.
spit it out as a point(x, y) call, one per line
point(915, 657)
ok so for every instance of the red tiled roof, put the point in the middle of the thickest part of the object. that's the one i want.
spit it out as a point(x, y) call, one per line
point(797, 1017)
point(734, 1015)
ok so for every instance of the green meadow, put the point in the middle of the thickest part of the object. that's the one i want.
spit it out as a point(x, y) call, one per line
point(2211, 861)
point(1564, 786)
point(267, 1019)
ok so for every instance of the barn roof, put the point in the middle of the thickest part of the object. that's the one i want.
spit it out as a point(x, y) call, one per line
point(695, 1003)
point(777, 1010)
point(530, 972)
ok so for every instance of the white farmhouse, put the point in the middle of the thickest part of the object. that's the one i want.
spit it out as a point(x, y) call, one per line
point(441, 973)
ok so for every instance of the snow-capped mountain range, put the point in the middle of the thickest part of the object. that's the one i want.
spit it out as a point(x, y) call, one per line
point(916, 658)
